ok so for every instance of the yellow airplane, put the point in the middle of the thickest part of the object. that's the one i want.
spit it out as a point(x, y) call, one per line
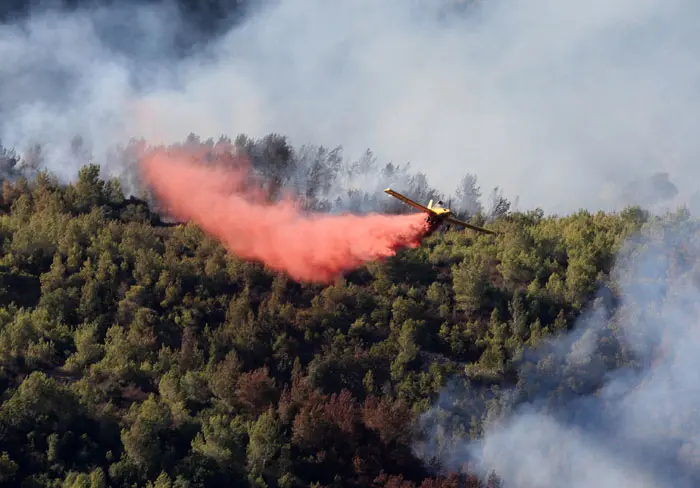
point(437, 214)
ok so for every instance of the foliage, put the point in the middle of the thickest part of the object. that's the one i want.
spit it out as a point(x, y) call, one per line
point(138, 352)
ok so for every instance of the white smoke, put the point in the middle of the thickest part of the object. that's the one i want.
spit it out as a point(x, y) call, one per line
point(613, 403)
point(563, 104)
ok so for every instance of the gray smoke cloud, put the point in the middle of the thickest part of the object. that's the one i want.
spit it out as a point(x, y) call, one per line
point(613, 403)
point(562, 104)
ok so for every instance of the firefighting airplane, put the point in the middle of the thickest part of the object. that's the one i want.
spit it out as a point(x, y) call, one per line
point(437, 214)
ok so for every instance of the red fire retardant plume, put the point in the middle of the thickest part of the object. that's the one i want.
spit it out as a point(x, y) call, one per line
point(314, 248)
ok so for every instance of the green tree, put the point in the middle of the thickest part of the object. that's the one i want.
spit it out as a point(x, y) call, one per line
point(265, 443)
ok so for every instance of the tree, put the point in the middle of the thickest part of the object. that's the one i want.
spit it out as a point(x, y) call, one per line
point(144, 439)
point(468, 197)
point(8, 468)
point(89, 189)
point(265, 442)
point(499, 204)
point(469, 283)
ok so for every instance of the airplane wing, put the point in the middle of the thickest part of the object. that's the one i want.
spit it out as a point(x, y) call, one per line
point(453, 220)
point(408, 201)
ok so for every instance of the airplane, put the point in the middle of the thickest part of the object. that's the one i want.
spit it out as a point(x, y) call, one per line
point(437, 213)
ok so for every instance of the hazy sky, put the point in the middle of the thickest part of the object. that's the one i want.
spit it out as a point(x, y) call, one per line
point(560, 103)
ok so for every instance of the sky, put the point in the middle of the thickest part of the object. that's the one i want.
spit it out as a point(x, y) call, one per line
point(564, 105)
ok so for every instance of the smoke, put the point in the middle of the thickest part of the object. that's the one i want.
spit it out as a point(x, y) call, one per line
point(613, 403)
point(562, 104)
point(227, 202)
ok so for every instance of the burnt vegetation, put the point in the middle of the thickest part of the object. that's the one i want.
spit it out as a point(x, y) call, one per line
point(136, 353)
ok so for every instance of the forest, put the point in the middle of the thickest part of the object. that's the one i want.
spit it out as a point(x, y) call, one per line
point(135, 351)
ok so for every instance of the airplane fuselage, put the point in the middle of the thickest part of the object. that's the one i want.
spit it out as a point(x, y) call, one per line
point(438, 216)
point(437, 219)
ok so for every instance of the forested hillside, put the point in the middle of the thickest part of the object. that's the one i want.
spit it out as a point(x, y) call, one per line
point(139, 353)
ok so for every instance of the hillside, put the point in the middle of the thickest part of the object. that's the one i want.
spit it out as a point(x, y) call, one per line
point(141, 354)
